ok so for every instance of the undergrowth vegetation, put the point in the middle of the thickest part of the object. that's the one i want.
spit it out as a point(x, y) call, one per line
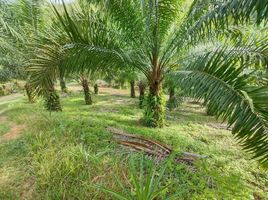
point(65, 155)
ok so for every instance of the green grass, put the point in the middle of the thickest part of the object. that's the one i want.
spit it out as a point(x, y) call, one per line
point(61, 155)
point(4, 128)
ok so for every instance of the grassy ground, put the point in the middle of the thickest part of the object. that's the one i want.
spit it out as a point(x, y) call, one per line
point(61, 155)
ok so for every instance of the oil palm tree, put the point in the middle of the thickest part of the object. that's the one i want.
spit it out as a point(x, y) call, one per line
point(157, 37)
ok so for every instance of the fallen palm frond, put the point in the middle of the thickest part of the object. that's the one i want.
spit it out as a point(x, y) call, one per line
point(150, 147)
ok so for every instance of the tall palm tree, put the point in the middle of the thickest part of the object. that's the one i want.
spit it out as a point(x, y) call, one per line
point(158, 37)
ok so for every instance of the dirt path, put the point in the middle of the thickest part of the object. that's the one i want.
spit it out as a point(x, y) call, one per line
point(13, 133)
point(3, 119)
point(9, 98)
point(102, 90)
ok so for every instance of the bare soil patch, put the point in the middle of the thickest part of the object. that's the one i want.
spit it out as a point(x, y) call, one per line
point(113, 91)
point(3, 119)
point(13, 134)
point(11, 97)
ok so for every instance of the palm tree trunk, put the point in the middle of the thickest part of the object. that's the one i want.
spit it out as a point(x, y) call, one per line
point(29, 93)
point(84, 82)
point(154, 115)
point(52, 101)
point(142, 87)
point(132, 89)
point(171, 93)
point(96, 89)
point(63, 85)
point(171, 101)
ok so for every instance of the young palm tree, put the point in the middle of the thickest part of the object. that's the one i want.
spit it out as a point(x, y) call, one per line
point(157, 37)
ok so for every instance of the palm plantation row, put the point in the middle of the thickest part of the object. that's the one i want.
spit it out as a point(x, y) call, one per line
point(164, 38)
point(214, 51)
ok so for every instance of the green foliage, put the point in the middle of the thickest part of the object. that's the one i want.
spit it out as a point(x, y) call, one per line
point(142, 85)
point(145, 184)
point(4, 128)
point(52, 101)
point(141, 100)
point(154, 115)
point(223, 84)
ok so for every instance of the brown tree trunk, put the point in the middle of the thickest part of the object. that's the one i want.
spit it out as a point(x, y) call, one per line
point(132, 89)
point(84, 82)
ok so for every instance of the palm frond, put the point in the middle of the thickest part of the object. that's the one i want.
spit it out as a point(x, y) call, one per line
point(96, 45)
point(130, 20)
point(250, 50)
point(229, 12)
point(221, 82)
point(206, 20)
point(43, 69)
